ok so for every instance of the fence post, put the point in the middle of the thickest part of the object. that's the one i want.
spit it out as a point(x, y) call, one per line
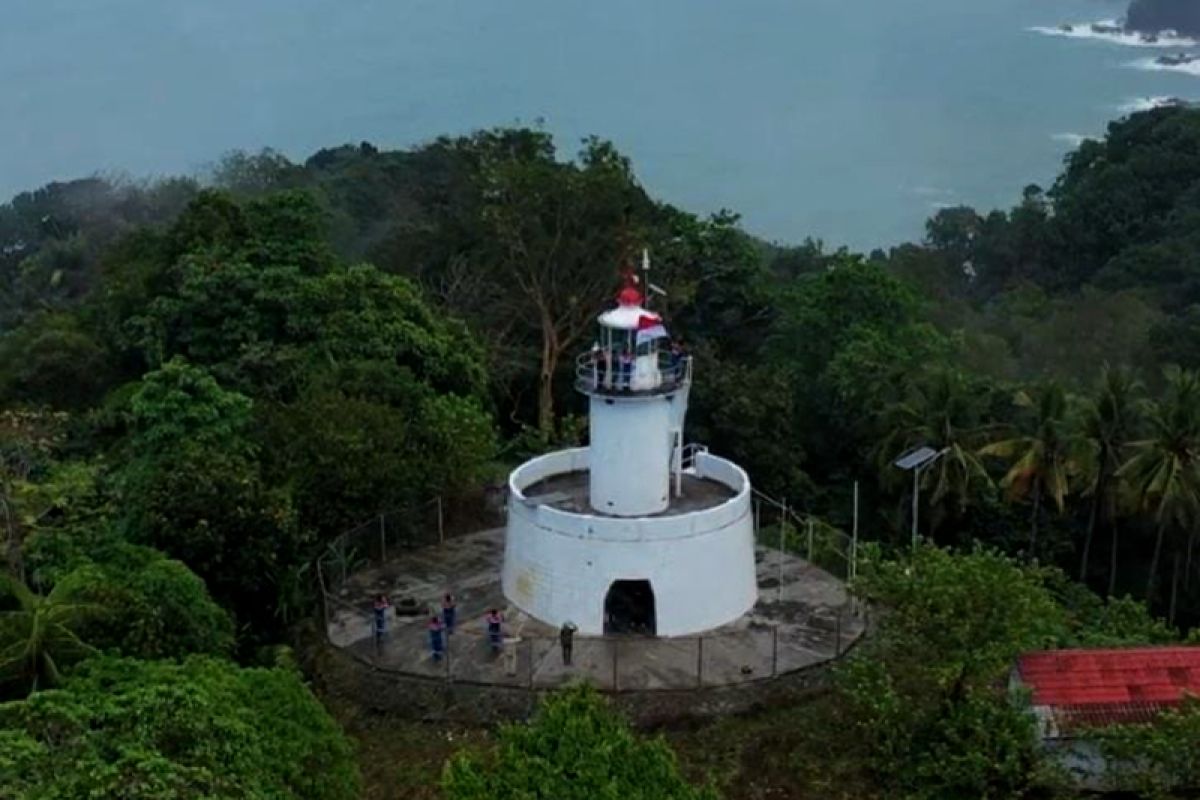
point(441, 524)
point(838, 646)
point(852, 568)
point(344, 558)
point(774, 652)
point(382, 540)
point(700, 662)
point(529, 654)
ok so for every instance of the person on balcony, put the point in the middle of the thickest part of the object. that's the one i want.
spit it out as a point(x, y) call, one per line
point(677, 358)
point(626, 370)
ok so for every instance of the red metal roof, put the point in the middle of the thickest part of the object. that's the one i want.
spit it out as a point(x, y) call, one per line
point(1104, 687)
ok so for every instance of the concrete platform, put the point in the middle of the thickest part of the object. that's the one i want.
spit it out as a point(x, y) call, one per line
point(803, 620)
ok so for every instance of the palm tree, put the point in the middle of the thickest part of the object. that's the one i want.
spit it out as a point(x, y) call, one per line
point(1044, 459)
point(40, 634)
point(938, 411)
point(1163, 473)
point(1108, 422)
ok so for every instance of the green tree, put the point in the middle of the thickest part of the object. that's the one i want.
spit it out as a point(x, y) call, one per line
point(526, 247)
point(152, 607)
point(941, 410)
point(1159, 759)
point(39, 636)
point(1044, 459)
point(203, 728)
point(575, 747)
point(193, 488)
point(1108, 423)
point(1163, 472)
point(923, 694)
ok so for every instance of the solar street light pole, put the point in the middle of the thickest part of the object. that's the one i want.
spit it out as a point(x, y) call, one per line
point(915, 461)
point(916, 504)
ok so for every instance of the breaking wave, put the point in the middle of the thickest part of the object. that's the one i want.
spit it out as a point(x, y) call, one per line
point(1112, 31)
point(1155, 65)
point(1138, 104)
point(1071, 139)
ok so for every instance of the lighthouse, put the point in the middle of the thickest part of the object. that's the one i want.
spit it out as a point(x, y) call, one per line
point(640, 532)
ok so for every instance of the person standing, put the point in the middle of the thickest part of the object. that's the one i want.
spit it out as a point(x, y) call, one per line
point(437, 642)
point(380, 607)
point(495, 624)
point(566, 639)
point(627, 370)
point(449, 613)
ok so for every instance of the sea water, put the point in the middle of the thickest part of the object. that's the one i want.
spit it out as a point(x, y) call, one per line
point(846, 120)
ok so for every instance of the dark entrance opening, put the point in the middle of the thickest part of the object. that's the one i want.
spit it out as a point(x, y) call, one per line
point(629, 608)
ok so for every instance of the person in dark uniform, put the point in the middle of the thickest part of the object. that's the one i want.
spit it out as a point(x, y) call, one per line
point(566, 639)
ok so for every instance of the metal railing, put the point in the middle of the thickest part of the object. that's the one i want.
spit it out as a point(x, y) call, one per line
point(534, 660)
point(599, 372)
point(780, 527)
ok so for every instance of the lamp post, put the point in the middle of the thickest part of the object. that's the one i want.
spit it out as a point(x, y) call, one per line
point(915, 461)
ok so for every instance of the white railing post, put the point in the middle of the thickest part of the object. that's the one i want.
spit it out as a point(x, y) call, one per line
point(782, 534)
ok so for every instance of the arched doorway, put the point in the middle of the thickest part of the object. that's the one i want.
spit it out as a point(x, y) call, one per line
point(629, 608)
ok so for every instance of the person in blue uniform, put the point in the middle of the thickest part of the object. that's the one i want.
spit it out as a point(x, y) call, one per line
point(495, 633)
point(379, 609)
point(437, 642)
point(449, 613)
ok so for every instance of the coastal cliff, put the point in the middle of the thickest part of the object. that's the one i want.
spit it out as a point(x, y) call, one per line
point(1152, 16)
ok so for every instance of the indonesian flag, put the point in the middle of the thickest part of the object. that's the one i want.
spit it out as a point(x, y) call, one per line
point(650, 328)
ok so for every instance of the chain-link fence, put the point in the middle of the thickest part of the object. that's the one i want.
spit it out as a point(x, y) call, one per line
point(611, 663)
point(386, 537)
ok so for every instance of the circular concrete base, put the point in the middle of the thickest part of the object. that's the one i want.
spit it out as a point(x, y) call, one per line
point(802, 621)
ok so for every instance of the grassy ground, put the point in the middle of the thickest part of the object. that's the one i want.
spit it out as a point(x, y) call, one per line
point(402, 760)
point(772, 755)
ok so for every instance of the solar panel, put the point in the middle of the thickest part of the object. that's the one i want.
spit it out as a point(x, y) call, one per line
point(915, 458)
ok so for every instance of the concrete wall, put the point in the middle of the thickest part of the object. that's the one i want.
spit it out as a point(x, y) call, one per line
point(558, 566)
point(630, 454)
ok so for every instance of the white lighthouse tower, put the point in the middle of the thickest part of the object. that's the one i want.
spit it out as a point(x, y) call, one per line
point(639, 532)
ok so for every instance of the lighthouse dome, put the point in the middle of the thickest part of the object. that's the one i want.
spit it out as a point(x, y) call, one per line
point(625, 317)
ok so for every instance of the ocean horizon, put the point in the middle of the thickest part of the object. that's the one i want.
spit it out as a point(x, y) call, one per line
point(846, 122)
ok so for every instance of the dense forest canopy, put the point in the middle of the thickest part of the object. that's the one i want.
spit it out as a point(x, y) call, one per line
point(1153, 16)
point(204, 381)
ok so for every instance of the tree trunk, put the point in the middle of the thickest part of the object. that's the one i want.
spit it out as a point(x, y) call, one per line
point(1112, 566)
point(1187, 570)
point(550, 356)
point(1091, 530)
point(12, 544)
point(1174, 588)
point(1037, 505)
point(1152, 580)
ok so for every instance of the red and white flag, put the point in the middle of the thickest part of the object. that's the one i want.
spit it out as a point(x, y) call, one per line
point(650, 328)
